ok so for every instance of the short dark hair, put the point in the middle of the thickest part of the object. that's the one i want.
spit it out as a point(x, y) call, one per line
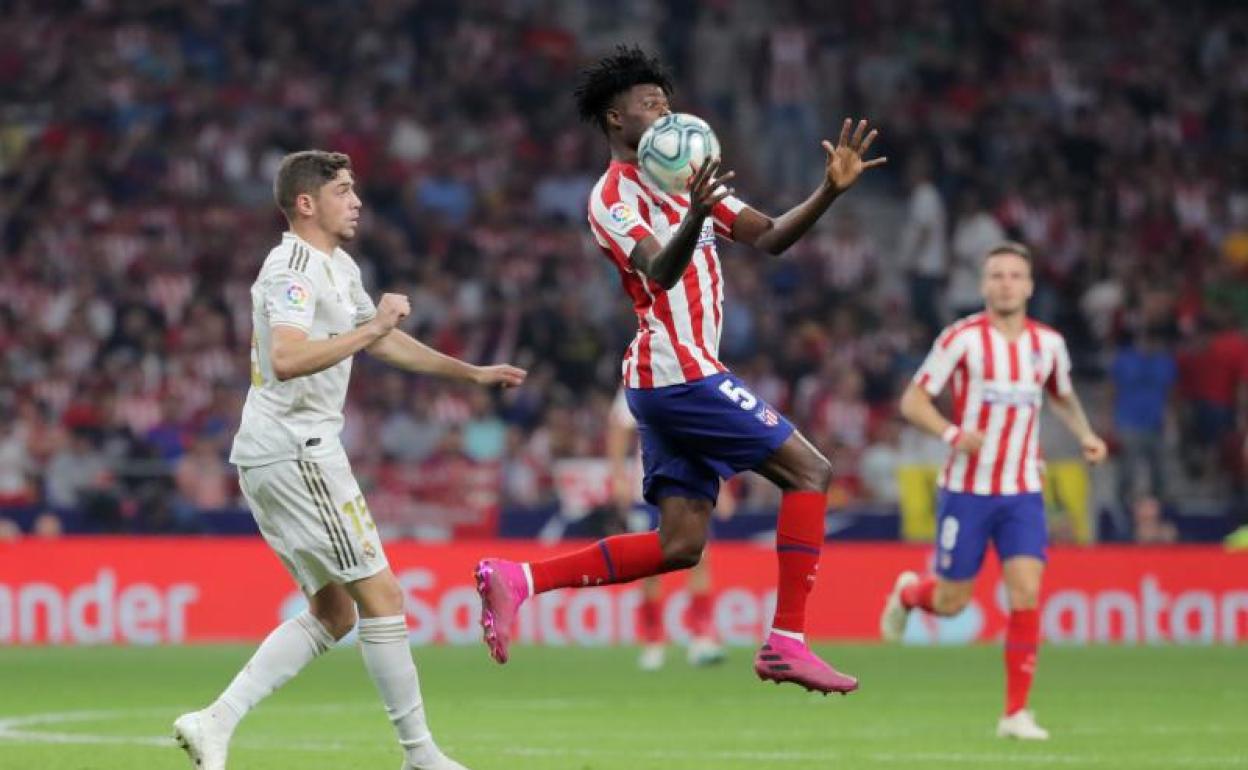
point(1009, 247)
point(611, 76)
point(305, 172)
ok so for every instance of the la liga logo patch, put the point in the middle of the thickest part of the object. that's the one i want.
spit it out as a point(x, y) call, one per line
point(296, 296)
point(622, 216)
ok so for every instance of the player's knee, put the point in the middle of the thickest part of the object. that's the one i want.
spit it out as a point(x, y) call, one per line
point(948, 604)
point(815, 475)
point(683, 552)
point(1025, 598)
point(338, 620)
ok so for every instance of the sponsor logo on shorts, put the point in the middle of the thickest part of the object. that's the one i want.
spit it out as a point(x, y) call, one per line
point(370, 553)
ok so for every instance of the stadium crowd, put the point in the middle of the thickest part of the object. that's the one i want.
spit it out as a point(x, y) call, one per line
point(138, 141)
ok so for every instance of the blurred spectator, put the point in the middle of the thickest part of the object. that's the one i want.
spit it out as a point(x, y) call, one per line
point(75, 471)
point(203, 481)
point(47, 525)
point(881, 461)
point(924, 245)
point(9, 531)
point(1143, 376)
point(975, 231)
point(1150, 525)
point(16, 464)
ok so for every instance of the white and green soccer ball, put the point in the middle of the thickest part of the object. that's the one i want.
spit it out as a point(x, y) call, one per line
point(671, 147)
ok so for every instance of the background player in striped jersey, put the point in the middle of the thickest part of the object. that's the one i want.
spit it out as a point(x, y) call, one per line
point(697, 422)
point(310, 316)
point(999, 363)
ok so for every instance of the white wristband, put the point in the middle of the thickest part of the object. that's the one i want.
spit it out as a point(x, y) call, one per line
point(951, 435)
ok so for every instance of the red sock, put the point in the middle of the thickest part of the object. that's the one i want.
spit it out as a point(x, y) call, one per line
point(919, 594)
point(698, 616)
point(1022, 637)
point(799, 540)
point(617, 559)
point(650, 621)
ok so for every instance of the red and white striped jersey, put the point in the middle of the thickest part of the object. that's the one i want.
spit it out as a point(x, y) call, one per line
point(998, 389)
point(678, 329)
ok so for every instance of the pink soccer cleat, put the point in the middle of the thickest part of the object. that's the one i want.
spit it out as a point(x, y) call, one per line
point(782, 659)
point(503, 588)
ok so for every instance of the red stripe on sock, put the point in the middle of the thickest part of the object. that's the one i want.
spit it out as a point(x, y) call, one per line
point(1022, 639)
point(799, 540)
point(618, 559)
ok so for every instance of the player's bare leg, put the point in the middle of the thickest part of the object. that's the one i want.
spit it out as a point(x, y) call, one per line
point(704, 647)
point(505, 585)
point(804, 475)
point(387, 656)
point(1022, 575)
point(205, 735)
point(932, 594)
point(650, 625)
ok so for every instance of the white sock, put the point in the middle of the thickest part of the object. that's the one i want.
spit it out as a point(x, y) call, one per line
point(528, 577)
point(287, 649)
point(388, 658)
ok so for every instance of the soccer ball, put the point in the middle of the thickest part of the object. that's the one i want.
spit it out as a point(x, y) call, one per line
point(671, 147)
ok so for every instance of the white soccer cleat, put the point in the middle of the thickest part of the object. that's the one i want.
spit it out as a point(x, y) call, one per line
point(1021, 725)
point(203, 740)
point(704, 651)
point(652, 658)
point(893, 619)
point(441, 762)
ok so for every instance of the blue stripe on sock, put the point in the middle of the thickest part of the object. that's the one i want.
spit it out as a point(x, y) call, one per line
point(606, 555)
point(800, 548)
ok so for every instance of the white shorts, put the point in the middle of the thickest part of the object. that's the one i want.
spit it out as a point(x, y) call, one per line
point(314, 516)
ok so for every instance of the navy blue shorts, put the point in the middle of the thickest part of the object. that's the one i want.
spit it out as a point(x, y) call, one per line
point(966, 522)
point(696, 433)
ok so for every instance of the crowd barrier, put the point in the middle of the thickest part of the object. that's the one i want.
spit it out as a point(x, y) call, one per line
point(106, 590)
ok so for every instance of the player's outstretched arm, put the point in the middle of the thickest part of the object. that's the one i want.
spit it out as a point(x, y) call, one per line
point(1069, 410)
point(403, 351)
point(844, 165)
point(666, 264)
point(917, 407)
point(294, 355)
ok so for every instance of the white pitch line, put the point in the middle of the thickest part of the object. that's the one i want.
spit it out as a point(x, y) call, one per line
point(15, 730)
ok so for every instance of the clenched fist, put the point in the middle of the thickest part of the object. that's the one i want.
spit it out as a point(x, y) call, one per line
point(391, 311)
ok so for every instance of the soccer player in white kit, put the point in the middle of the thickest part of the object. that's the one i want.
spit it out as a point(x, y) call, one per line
point(310, 316)
point(1000, 364)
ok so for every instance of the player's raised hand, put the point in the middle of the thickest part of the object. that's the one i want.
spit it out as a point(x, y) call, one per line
point(500, 374)
point(845, 159)
point(1094, 449)
point(706, 189)
point(969, 441)
point(391, 311)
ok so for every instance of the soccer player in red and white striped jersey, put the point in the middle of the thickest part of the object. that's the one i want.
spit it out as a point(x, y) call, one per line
point(697, 422)
point(999, 364)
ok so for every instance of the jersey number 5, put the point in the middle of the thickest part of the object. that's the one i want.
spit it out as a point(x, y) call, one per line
point(738, 395)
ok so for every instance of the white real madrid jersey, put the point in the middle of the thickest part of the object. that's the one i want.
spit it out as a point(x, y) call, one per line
point(323, 295)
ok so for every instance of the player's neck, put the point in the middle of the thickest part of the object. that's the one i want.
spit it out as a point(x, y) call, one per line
point(316, 237)
point(1012, 325)
point(623, 154)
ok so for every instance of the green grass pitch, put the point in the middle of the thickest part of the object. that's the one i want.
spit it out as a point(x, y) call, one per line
point(590, 709)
